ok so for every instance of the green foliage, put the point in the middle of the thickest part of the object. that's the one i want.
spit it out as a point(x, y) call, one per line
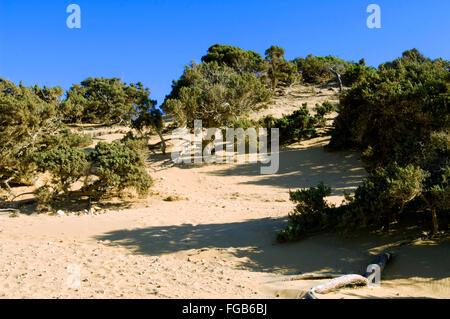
point(26, 115)
point(292, 127)
point(279, 71)
point(395, 110)
point(65, 163)
point(32, 141)
point(45, 196)
point(236, 58)
point(107, 170)
point(316, 69)
point(323, 110)
point(149, 120)
point(398, 115)
point(118, 165)
point(215, 94)
point(383, 196)
point(379, 201)
point(310, 212)
point(65, 137)
point(355, 71)
point(100, 100)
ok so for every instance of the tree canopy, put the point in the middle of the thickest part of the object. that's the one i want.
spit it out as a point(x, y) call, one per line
point(214, 93)
point(106, 101)
point(240, 60)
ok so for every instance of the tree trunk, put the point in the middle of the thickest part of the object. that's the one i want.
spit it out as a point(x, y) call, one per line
point(339, 79)
point(433, 215)
point(163, 142)
point(435, 221)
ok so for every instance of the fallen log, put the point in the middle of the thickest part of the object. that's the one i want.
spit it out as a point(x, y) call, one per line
point(373, 270)
point(340, 282)
point(312, 276)
point(377, 267)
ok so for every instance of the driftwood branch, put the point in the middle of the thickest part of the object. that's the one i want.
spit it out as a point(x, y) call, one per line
point(337, 283)
point(347, 280)
point(310, 276)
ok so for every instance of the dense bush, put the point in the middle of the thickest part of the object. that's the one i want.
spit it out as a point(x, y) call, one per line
point(278, 70)
point(293, 127)
point(399, 116)
point(309, 214)
point(355, 71)
point(395, 110)
point(236, 58)
point(227, 84)
point(323, 110)
point(383, 196)
point(381, 199)
point(107, 170)
point(27, 115)
point(316, 69)
point(215, 94)
point(64, 137)
point(33, 140)
point(104, 101)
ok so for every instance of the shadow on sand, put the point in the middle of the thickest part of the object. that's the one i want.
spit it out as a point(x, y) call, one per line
point(254, 242)
point(301, 168)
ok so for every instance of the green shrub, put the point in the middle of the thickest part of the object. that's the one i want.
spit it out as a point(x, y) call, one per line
point(394, 110)
point(322, 111)
point(107, 170)
point(65, 138)
point(381, 200)
point(236, 58)
point(66, 165)
point(118, 166)
point(383, 196)
point(278, 70)
point(27, 115)
point(356, 71)
point(316, 69)
point(105, 101)
point(215, 94)
point(310, 212)
point(294, 127)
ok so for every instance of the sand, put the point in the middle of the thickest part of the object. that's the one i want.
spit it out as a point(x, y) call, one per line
point(216, 241)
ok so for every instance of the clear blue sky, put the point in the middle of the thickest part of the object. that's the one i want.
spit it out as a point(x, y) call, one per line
point(151, 40)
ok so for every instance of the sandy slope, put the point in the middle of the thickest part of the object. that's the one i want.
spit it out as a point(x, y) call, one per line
point(218, 241)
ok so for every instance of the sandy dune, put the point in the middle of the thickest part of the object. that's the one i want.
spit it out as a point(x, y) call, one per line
point(218, 241)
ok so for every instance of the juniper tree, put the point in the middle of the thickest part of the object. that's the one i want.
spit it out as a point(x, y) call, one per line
point(278, 69)
point(214, 93)
point(236, 58)
point(103, 101)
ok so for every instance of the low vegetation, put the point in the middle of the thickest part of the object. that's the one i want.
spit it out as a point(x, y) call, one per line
point(398, 116)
